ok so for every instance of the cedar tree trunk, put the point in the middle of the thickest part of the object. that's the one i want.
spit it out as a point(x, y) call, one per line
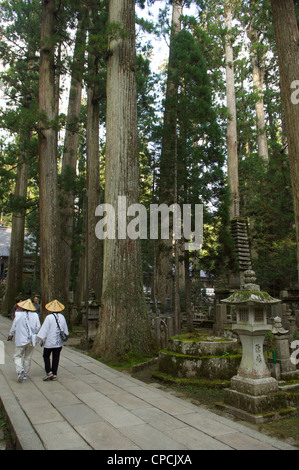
point(287, 41)
point(50, 261)
point(124, 325)
point(232, 144)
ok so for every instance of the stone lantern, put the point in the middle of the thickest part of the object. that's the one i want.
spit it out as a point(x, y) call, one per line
point(252, 391)
point(93, 315)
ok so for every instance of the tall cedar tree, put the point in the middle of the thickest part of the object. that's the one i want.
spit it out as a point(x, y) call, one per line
point(70, 151)
point(124, 325)
point(20, 79)
point(168, 167)
point(49, 216)
point(93, 247)
point(287, 41)
point(232, 139)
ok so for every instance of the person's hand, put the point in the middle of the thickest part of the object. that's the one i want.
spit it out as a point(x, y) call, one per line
point(10, 338)
point(42, 343)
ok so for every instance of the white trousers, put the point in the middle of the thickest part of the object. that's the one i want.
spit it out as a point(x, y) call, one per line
point(22, 357)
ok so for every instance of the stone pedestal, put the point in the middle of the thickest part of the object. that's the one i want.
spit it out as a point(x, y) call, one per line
point(253, 364)
point(252, 390)
point(256, 400)
point(207, 358)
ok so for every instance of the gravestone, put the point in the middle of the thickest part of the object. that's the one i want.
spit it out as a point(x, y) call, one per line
point(282, 348)
point(290, 322)
point(220, 320)
point(93, 315)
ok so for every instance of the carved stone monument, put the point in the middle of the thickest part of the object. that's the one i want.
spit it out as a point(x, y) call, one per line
point(282, 347)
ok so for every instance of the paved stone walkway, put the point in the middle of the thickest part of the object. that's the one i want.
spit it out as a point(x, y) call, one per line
point(92, 406)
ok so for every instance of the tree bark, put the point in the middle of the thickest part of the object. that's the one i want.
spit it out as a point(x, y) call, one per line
point(69, 161)
point(258, 72)
point(124, 324)
point(14, 279)
point(188, 291)
point(287, 41)
point(232, 144)
point(164, 248)
point(93, 174)
point(50, 261)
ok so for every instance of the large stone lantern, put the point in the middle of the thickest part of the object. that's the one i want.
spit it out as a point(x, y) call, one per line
point(252, 391)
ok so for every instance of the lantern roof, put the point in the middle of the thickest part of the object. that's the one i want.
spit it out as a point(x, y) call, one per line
point(250, 298)
point(251, 293)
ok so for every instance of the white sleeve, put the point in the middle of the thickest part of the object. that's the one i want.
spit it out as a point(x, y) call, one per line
point(64, 326)
point(35, 323)
point(38, 325)
point(13, 328)
point(44, 331)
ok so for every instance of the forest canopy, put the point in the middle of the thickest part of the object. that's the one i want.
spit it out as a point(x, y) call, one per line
point(163, 102)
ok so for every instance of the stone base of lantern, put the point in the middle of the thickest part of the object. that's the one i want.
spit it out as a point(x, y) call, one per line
point(254, 387)
point(258, 418)
point(256, 400)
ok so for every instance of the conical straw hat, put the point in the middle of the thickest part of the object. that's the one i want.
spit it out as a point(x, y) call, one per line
point(54, 306)
point(27, 305)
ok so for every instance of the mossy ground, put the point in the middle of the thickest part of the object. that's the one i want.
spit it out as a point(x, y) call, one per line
point(5, 437)
point(285, 429)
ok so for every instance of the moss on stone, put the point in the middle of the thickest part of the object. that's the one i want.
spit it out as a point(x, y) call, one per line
point(189, 356)
point(199, 337)
point(188, 366)
point(247, 296)
point(205, 383)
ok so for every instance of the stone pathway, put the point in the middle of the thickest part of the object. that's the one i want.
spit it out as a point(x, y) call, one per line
point(92, 406)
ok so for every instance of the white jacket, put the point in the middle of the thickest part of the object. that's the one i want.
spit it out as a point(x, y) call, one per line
point(49, 332)
point(24, 321)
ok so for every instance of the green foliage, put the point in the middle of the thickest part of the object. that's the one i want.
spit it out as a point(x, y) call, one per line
point(199, 155)
point(197, 70)
point(116, 31)
point(267, 202)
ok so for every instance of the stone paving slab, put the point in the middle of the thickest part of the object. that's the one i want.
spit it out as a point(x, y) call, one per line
point(197, 440)
point(60, 435)
point(241, 442)
point(102, 436)
point(94, 407)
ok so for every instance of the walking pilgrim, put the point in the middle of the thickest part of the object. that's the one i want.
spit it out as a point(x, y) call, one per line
point(53, 334)
point(24, 328)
